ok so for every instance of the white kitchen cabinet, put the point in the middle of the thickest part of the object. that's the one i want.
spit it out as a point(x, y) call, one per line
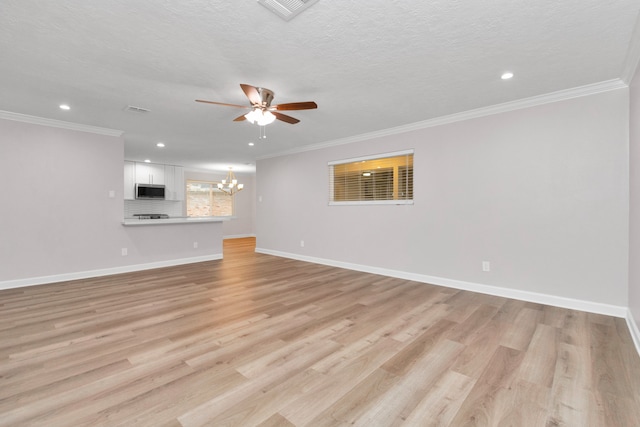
point(174, 182)
point(172, 177)
point(169, 171)
point(149, 173)
point(129, 180)
point(179, 183)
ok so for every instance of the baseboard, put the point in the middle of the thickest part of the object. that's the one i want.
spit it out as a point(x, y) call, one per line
point(32, 281)
point(570, 303)
point(238, 236)
point(633, 330)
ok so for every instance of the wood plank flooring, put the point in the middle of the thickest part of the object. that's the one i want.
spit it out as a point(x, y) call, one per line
point(257, 340)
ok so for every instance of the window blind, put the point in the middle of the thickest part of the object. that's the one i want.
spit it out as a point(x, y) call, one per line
point(385, 178)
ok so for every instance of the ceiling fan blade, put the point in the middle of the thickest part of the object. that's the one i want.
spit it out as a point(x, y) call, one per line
point(310, 105)
point(226, 105)
point(240, 118)
point(252, 93)
point(285, 118)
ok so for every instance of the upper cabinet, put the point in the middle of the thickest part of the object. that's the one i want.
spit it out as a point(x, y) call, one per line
point(149, 173)
point(174, 182)
point(129, 180)
point(172, 177)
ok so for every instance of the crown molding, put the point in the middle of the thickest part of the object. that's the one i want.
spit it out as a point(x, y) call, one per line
point(17, 117)
point(533, 101)
point(633, 54)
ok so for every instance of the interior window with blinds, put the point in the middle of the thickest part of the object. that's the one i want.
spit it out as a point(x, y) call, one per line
point(381, 179)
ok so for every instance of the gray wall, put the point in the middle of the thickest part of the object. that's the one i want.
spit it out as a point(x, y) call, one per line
point(634, 202)
point(57, 219)
point(541, 193)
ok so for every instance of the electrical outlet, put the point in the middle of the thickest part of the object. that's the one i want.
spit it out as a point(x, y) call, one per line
point(302, 243)
point(124, 251)
point(486, 266)
point(112, 194)
point(195, 245)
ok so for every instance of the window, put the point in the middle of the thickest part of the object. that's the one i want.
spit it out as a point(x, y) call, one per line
point(204, 199)
point(381, 179)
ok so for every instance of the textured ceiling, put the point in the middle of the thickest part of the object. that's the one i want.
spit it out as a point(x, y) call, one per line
point(369, 65)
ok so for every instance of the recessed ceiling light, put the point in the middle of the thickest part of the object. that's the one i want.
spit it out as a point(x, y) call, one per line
point(251, 144)
point(160, 144)
point(507, 75)
point(64, 107)
point(147, 161)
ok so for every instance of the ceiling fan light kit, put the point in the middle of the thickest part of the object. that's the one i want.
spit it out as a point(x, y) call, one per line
point(260, 117)
point(262, 112)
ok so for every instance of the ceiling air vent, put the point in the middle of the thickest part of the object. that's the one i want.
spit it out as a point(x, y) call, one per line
point(287, 9)
point(134, 109)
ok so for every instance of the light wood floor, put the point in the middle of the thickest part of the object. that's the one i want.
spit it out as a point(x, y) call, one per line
point(259, 340)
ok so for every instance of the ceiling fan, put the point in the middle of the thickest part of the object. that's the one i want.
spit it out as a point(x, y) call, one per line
point(262, 112)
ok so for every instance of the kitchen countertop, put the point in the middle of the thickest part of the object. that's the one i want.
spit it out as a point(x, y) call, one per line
point(174, 220)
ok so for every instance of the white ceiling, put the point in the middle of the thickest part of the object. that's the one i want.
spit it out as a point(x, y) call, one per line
point(369, 65)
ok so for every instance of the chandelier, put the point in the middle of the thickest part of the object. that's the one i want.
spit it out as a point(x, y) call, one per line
point(230, 184)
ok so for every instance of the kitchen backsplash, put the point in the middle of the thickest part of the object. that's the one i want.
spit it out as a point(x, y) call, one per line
point(171, 208)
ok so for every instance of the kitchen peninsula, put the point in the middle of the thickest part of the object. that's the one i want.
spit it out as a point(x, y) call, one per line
point(174, 221)
point(155, 218)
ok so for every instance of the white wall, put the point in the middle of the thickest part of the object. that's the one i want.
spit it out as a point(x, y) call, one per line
point(57, 219)
point(634, 214)
point(541, 193)
point(244, 223)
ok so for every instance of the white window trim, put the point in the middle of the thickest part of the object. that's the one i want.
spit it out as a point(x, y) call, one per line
point(371, 202)
point(371, 157)
point(360, 159)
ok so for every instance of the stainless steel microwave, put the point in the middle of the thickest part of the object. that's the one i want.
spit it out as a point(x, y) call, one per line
point(149, 191)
